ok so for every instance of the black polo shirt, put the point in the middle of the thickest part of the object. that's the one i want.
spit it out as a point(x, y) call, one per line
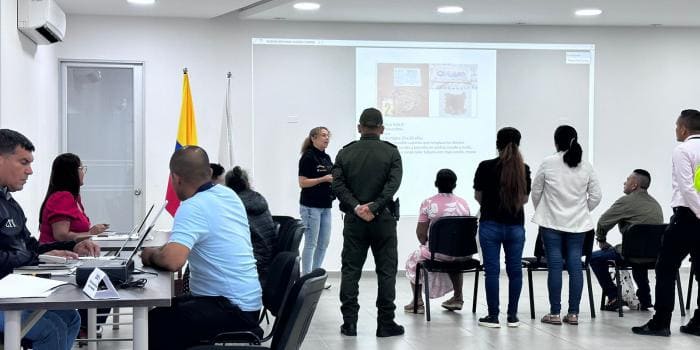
point(313, 164)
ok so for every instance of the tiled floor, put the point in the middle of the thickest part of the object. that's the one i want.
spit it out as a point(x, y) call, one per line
point(459, 330)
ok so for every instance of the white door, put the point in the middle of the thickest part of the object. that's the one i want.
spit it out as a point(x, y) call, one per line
point(102, 111)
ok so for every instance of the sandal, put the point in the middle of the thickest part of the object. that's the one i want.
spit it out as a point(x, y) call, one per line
point(409, 308)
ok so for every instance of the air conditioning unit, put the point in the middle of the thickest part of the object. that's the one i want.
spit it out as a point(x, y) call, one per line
point(43, 21)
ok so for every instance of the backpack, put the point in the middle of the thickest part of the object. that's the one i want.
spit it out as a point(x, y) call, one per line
point(629, 289)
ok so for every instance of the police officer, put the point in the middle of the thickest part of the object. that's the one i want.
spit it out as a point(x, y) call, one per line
point(366, 175)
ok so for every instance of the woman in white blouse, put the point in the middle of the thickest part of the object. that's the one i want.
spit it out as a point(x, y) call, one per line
point(564, 192)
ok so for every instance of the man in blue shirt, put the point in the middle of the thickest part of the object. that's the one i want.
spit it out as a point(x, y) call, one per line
point(211, 231)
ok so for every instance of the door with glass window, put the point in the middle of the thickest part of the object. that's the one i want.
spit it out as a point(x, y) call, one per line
point(102, 112)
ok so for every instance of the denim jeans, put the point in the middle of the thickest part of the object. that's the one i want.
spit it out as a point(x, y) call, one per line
point(556, 244)
point(512, 237)
point(56, 330)
point(599, 265)
point(318, 233)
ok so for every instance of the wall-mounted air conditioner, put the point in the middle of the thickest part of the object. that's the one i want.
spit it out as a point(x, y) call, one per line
point(43, 21)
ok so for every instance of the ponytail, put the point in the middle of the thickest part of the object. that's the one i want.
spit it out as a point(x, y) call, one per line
point(307, 144)
point(513, 183)
point(566, 140)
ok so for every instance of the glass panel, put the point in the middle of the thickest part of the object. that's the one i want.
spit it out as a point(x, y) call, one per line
point(100, 130)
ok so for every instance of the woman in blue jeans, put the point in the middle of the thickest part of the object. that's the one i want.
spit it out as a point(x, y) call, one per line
point(316, 198)
point(501, 187)
point(564, 191)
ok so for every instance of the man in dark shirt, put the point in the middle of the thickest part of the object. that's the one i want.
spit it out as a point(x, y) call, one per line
point(56, 329)
point(637, 206)
point(366, 175)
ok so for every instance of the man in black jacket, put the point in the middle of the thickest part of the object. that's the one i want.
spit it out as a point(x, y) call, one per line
point(57, 329)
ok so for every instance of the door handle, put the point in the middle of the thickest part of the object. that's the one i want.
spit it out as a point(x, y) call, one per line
point(137, 192)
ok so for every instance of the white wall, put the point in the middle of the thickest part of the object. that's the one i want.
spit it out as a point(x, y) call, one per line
point(644, 77)
point(29, 103)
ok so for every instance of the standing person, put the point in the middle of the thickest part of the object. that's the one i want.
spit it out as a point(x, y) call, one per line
point(316, 198)
point(501, 187)
point(210, 229)
point(445, 203)
point(56, 329)
point(637, 206)
point(366, 175)
point(682, 237)
point(564, 192)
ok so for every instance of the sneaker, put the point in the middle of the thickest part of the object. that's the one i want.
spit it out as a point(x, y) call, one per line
point(390, 330)
point(513, 321)
point(651, 328)
point(490, 321)
point(571, 319)
point(693, 327)
point(453, 304)
point(551, 319)
point(409, 308)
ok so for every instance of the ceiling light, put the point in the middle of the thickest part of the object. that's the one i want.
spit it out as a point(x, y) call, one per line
point(449, 9)
point(141, 2)
point(588, 12)
point(307, 6)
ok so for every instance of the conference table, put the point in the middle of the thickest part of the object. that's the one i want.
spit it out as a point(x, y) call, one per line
point(158, 291)
point(157, 238)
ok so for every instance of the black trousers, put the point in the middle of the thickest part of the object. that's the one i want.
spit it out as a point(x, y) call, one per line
point(682, 237)
point(358, 237)
point(192, 319)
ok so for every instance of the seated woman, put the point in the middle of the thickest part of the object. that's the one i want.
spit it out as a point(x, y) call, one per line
point(445, 203)
point(263, 234)
point(62, 216)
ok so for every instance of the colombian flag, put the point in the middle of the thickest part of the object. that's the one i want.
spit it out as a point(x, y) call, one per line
point(186, 136)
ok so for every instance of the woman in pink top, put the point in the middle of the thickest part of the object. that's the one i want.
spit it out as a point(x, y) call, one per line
point(445, 203)
point(62, 216)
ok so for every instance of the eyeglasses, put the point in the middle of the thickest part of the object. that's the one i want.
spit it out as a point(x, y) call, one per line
point(83, 168)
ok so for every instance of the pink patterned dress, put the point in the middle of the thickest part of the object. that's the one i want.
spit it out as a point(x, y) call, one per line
point(439, 205)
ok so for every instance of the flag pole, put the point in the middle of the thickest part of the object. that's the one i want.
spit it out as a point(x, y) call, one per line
point(228, 119)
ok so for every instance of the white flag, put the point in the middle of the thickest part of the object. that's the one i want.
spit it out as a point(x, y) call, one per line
point(225, 141)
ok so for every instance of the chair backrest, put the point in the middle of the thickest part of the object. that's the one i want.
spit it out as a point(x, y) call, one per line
point(587, 250)
point(297, 312)
point(642, 241)
point(453, 236)
point(290, 236)
point(282, 274)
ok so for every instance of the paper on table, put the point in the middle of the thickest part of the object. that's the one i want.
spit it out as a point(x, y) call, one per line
point(22, 286)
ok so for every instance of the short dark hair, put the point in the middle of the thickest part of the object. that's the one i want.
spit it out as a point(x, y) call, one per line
point(191, 163)
point(691, 119)
point(237, 179)
point(216, 170)
point(446, 181)
point(10, 139)
point(644, 178)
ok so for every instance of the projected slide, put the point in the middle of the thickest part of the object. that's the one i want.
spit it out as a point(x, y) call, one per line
point(439, 107)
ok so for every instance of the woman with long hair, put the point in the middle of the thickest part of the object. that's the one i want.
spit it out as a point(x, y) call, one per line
point(62, 216)
point(564, 192)
point(501, 187)
point(316, 198)
point(444, 203)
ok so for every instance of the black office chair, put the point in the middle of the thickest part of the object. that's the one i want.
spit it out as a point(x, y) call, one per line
point(451, 236)
point(290, 233)
point(294, 318)
point(693, 271)
point(640, 243)
point(539, 263)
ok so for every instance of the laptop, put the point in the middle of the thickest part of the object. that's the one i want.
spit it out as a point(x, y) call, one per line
point(112, 235)
point(118, 270)
point(135, 231)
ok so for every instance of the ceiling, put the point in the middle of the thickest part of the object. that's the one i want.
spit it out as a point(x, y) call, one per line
point(529, 12)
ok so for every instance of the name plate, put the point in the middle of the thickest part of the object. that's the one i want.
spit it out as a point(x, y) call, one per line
point(92, 286)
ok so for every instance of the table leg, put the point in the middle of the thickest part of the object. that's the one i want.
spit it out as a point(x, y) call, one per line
point(140, 328)
point(13, 327)
point(92, 328)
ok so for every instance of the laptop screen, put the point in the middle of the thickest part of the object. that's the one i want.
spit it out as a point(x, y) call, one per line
point(145, 234)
